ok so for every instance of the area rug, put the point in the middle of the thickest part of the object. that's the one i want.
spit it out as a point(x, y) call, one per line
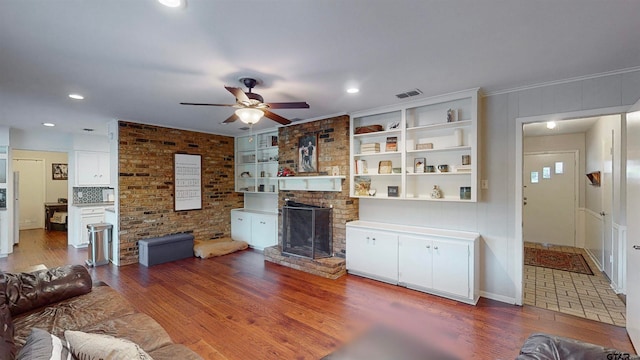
point(557, 260)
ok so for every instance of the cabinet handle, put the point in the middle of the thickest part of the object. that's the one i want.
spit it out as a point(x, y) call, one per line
point(428, 246)
point(435, 248)
point(240, 219)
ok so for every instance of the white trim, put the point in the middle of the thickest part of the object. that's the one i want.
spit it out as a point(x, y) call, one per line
point(563, 81)
point(501, 298)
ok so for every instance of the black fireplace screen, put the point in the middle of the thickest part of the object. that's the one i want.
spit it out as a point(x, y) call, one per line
point(307, 230)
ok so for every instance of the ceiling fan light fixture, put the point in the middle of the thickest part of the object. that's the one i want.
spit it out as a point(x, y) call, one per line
point(249, 115)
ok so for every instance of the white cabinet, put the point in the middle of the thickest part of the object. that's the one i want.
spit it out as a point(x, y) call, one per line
point(418, 145)
point(372, 254)
point(436, 265)
point(256, 160)
point(92, 168)
point(437, 261)
point(85, 216)
point(258, 229)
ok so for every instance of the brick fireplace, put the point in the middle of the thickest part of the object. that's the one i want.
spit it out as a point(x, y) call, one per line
point(333, 151)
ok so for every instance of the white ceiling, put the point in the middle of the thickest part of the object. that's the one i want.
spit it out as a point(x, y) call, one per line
point(570, 126)
point(136, 60)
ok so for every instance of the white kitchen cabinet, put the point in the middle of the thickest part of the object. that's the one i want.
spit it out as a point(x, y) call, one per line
point(259, 229)
point(437, 261)
point(92, 168)
point(373, 254)
point(85, 216)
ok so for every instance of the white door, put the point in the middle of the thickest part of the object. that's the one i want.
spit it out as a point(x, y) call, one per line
point(633, 226)
point(549, 197)
point(607, 201)
point(31, 195)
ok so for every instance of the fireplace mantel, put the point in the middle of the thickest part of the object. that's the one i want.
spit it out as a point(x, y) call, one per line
point(311, 183)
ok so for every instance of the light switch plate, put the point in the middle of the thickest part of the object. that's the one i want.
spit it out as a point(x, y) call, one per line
point(484, 184)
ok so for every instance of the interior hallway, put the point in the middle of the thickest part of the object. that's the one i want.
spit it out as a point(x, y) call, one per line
point(587, 296)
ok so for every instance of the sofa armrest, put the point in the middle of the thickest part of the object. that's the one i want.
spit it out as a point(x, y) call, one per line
point(26, 291)
point(547, 347)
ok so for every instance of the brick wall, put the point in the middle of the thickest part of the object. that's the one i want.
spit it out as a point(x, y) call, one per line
point(333, 150)
point(146, 185)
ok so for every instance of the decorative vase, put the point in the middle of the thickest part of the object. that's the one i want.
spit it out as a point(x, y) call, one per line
point(436, 193)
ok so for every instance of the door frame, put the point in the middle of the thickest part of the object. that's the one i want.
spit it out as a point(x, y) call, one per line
point(44, 185)
point(576, 184)
point(519, 162)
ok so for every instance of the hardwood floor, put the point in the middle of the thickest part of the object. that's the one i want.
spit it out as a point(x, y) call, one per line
point(240, 307)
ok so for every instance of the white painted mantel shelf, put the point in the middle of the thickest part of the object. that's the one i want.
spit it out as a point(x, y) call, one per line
point(311, 183)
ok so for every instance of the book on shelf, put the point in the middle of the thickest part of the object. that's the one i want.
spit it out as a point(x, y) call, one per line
point(392, 143)
point(370, 148)
point(361, 167)
point(463, 168)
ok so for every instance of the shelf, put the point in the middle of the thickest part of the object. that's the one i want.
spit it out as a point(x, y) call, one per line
point(389, 153)
point(441, 126)
point(452, 148)
point(311, 183)
point(392, 174)
point(440, 173)
point(379, 133)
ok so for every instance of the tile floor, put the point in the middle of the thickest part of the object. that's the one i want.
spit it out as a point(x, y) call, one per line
point(587, 296)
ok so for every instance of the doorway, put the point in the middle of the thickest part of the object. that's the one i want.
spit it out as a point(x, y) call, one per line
point(564, 217)
point(37, 185)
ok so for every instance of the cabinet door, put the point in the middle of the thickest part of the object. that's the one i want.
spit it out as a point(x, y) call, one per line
point(241, 226)
point(92, 168)
point(451, 267)
point(415, 261)
point(263, 231)
point(104, 169)
point(373, 253)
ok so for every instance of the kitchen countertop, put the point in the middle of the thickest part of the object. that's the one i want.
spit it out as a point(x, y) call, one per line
point(105, 203)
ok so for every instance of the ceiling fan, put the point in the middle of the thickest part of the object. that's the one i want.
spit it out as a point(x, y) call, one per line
point(251, 106)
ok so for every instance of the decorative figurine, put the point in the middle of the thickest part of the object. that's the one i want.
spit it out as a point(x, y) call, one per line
point(450, 115)
point(436, 193)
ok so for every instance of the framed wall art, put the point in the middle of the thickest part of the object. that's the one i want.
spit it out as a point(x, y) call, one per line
point(59, 172)
point(308, 153)
point(187, 182)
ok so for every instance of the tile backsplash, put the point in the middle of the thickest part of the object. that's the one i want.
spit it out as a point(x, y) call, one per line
point(90, 195)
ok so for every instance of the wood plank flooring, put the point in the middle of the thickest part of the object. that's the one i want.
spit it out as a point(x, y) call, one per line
point(240, 307)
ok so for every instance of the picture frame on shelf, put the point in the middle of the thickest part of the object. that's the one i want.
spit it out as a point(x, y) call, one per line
point(308, 154)
point(419, 165)
point(393, 191)
point(361, 186)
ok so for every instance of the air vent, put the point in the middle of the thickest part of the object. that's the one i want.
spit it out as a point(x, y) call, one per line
point(244, 128)
point(409, 93)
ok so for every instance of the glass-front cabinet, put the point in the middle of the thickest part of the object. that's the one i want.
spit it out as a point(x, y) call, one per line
point(256, 163)
point(422, 150)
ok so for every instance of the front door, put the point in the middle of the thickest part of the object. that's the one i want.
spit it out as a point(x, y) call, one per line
point(549, 196)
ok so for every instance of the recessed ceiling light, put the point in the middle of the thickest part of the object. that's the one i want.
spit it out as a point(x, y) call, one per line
point(49, 124)
point(76, 96)
point(353, 90)
point(551, 125)
point(172, 3)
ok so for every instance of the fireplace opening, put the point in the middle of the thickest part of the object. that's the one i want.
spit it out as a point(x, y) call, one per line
point(307, 230)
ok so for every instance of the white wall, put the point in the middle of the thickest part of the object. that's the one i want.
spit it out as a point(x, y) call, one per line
point(494, 216)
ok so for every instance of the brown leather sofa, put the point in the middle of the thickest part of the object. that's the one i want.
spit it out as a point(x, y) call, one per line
point(65, 298)
point(548, 347)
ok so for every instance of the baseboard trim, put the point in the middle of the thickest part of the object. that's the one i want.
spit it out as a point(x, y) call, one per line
point(501, 298)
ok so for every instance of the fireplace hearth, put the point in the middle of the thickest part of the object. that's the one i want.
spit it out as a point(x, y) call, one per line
point(307, 230)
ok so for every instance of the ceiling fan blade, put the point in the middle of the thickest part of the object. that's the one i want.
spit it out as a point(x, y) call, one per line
point(238, 93)
point(184, 103)
point(289, 105)
point(275, 117)
point(231, 119)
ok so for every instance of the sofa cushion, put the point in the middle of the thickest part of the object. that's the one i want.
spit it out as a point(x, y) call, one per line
point(99, 346)
point(145, 331)
point(7, 346)
point(42, 345)
point(28, 291)
point(73, 314)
